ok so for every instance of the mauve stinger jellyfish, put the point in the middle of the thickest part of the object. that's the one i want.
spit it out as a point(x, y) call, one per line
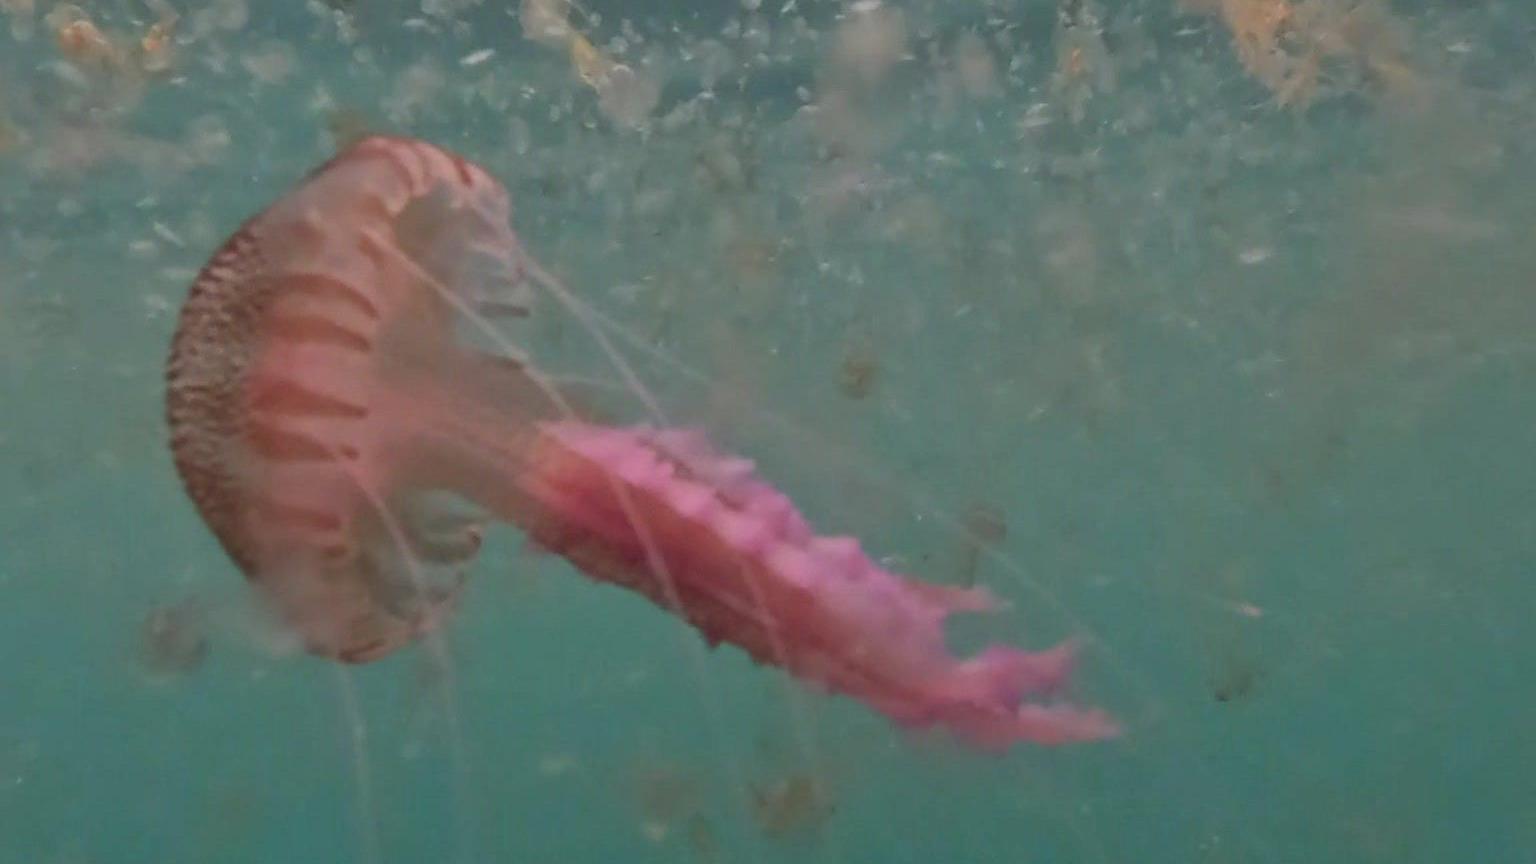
point(322, 409)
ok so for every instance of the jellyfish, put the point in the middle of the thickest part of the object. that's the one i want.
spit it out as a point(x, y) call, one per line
point(331, 419)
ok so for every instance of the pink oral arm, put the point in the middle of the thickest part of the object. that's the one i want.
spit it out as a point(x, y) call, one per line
point(660, 513)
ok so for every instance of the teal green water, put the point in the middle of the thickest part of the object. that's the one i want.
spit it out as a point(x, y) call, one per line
point(1249, 388)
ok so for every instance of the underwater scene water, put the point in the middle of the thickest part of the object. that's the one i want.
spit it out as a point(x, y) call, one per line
point(1198, 332)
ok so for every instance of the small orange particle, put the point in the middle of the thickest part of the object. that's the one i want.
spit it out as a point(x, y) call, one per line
point(82, 42)
point(1074, 65)
point(591, 66)
point(155, 48)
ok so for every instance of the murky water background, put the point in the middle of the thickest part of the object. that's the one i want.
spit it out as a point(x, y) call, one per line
point(1201, 332)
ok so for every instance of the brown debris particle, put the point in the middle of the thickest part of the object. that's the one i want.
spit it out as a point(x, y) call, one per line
point(1295, 47)
point(860, 373)
point(347, 126)
point(794, 806)
point(984, 527)
point(173, 640)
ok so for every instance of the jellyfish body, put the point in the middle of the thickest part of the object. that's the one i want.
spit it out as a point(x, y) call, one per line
point(323, 408)
point(305, 382)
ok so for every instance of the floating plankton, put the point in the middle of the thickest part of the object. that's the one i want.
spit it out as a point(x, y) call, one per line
point(1289, 45)
point(625, 96)
point(157, 46)
point(114, 66)
point(323, 413)
point(81, 41)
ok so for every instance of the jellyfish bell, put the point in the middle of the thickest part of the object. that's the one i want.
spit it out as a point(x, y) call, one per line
point(314, 354)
